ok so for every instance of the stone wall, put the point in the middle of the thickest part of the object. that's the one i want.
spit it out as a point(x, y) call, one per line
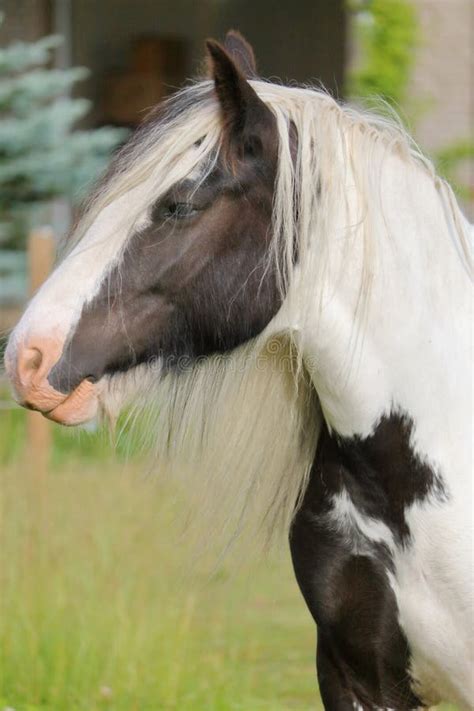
point(443, 80)
point(444, 71)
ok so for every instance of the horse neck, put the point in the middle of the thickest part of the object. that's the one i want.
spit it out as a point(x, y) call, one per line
point(409, 349)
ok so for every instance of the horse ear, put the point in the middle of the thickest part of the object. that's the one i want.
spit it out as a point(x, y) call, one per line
point(241, 52)
point(249, 125)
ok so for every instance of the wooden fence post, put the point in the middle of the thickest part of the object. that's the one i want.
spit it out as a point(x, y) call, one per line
point(41, 252)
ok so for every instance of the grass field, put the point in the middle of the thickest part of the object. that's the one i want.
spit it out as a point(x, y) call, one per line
point(103, 606)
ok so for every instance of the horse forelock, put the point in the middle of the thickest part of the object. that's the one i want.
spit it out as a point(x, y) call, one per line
point(335, 143)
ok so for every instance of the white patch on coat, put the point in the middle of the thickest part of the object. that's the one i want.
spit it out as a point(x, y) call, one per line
point(358, 530)
point(56, 307)
point(433, 588)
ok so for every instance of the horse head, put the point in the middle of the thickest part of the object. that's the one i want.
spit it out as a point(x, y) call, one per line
point(177, 265)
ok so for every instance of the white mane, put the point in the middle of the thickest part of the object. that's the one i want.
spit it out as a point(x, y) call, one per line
point(243, 428)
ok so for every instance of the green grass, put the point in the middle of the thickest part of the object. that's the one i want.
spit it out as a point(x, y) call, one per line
point(103, 607)
point(69, 444)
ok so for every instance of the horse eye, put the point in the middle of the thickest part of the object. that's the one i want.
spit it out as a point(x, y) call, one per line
point(180, 210)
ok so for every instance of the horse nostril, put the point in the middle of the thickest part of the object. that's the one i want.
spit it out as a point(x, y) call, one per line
point(29, 363)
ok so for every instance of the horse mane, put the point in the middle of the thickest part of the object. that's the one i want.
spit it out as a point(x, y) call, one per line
point(242, 429)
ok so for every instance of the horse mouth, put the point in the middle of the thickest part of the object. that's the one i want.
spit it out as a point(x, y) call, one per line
point(28, 366)
point(76, 408)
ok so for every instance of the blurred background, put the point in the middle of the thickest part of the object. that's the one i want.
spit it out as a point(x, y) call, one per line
point(98, 609)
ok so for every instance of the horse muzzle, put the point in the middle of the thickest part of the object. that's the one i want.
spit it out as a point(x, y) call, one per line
point(28, 363)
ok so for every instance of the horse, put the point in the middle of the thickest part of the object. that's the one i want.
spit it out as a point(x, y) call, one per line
point(288, 279)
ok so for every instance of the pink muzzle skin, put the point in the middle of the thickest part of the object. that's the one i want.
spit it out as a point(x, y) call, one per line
point(28, 365)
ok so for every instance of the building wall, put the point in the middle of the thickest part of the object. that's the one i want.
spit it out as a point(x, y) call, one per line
point(443, 81)
point(303, 40)
point(444, 71)
point(24, 19)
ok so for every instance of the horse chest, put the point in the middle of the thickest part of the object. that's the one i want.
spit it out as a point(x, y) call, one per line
point(347, 541)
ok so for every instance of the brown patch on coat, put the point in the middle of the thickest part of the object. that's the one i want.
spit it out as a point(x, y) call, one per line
point(363, 654)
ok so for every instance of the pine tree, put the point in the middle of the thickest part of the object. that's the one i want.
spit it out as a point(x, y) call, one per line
point(42, 157)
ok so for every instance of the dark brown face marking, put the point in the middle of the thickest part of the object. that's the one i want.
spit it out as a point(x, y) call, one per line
point(197, 280)
point(363, 655)
point(187, 286)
